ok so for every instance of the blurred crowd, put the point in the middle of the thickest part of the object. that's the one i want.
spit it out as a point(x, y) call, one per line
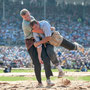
point(74, 59)
point(17, 56)
point(71, 23)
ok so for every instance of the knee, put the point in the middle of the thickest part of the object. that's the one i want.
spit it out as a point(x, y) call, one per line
point(50, 49)
point(51, 52)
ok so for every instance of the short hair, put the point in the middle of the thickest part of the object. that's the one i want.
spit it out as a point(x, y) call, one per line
point(23, 12)
point(33, 22)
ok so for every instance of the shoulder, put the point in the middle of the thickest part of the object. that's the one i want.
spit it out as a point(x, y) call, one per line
point(32, 18)
point(43, 21)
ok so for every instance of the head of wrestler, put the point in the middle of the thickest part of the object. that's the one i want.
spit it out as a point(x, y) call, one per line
point(25, 14)
point(35, 25)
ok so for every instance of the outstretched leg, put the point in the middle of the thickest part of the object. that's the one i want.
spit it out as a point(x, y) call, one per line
point(71, 46)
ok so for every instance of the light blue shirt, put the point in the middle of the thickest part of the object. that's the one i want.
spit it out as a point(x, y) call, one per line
point(46, 27)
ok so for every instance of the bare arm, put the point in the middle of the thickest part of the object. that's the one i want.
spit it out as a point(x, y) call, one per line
point(44, 40)
point(39, 50)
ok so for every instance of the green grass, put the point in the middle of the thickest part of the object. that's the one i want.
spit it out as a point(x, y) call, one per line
point(70, 78)
point(1, 71)
point(85, 78)
point(3, 78)
point(31, 70)
point(22, 70)
point(21, 78)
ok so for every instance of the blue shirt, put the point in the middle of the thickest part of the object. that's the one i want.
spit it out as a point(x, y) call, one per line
point(46, 27)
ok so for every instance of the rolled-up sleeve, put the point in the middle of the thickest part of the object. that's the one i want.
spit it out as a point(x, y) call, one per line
point(37, 38)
